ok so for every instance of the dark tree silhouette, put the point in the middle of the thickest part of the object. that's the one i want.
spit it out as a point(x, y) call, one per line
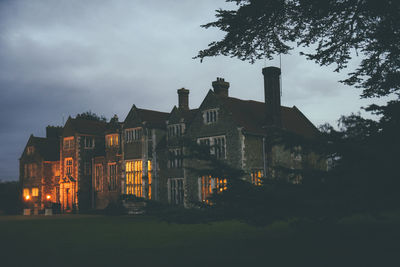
point(264, 28)
point(89, 115)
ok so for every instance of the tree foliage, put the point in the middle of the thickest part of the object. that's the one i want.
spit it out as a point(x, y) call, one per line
point(264, 28)
point(89, 115)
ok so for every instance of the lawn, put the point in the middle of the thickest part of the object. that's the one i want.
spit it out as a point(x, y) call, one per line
point(83, 240)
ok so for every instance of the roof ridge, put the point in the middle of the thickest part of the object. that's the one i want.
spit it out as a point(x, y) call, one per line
point(144, 109)
point(252, 101)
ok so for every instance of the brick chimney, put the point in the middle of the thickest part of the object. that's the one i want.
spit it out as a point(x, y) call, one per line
point(220, 87)
point(272, 96)
point(183, 98)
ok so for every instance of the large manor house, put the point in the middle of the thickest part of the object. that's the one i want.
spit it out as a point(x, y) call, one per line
point(88, 164)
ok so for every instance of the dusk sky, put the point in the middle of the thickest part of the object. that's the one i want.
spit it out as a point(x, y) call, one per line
point(63, 57)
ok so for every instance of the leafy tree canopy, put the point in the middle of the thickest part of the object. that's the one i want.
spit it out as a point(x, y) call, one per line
point(264, 28)
point(89, 115)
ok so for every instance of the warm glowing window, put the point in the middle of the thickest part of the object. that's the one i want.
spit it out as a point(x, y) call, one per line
point(88, 142)
point(98, 177)
point(217, 145)
point(134, 178)
point(210, 116)
point(112, 140)
point(35, 192)
point(256, 176)
point(25, 192)
point(30, 150)
point(149, 178)
point(176, 192)
point(208, 185)
point(134, 173)
point(68, 143)
point(112, 176)
point(68, 165)
point(133, 135)
point(175, 159)
point(176, 129)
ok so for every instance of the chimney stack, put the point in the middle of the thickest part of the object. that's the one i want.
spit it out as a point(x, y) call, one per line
point(183, 98)
point(220, 87)
point(272, 96)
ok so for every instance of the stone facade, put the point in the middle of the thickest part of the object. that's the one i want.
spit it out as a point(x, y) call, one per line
point(146, 154)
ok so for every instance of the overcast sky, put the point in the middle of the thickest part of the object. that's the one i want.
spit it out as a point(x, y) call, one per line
point(63, 57)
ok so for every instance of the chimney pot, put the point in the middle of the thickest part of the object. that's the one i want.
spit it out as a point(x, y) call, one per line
point(221, 87)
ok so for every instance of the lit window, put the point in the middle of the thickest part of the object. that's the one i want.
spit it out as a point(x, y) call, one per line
point(25, 192)
point(112, 176)
point(88, 142)
point(68, 165)
point(256, 176)
point(98, 177)
point(134, 178)
point(112, 140)
point(30, 150)
point(175, 158)
point(149, 177)
point(35, 192)
point(133, 135)
point(208, 185)
point(68, 143)
point(217, 145)
point(210, 116)
point(176, 191)
point(176, 129)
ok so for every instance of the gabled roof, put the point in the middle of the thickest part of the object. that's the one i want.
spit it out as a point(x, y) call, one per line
point(84, 126)
point(186, 114)
point(152, 118)
point(47, 148)
point(251, 115)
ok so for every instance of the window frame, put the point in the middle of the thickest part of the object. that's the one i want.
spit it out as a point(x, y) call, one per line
point(68, 166)
point(30, 150)
point(212, 141)
point(112, 176)
point(133, 134)
point(68, 143)
point(112, 140)
point(98, 177)
point(210, 116)
point(176, 191)
point(88, 144)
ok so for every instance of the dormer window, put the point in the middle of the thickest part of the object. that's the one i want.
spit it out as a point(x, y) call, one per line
point(68, 143)
point(30, 150)
point(112, 140)
point(88, 142)
point(210, 116)
point(176, 129)
point(133, 135)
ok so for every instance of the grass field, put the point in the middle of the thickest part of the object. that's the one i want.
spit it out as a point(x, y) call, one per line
point(79, 240)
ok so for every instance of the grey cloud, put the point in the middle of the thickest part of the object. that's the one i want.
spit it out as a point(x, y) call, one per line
point(60, 58)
